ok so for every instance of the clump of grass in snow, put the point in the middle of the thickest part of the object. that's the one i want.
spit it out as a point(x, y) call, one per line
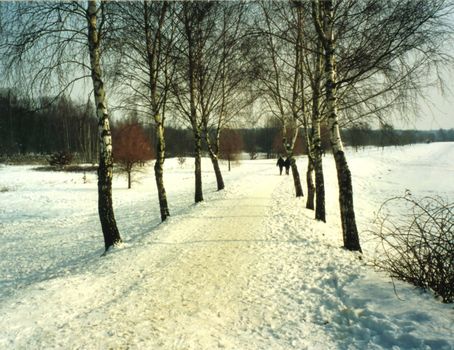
point(5, 189)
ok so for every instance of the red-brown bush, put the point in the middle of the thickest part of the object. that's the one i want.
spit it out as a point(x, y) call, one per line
point(131, 148)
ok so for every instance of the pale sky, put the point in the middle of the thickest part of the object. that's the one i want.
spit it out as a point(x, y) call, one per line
point(436, 113)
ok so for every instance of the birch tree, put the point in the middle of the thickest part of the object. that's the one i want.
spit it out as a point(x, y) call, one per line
point(374, 52)
point(210, 90)
point(312, 68)
point(45, 42)
point(326, 36)
point(143, 42)
point(224, 79)
point(316, 138)
point(282, 80)
point(192, 18)
point(387, 53)
point(105, 167)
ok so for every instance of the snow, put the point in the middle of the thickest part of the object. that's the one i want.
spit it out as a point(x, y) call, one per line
point(248, 268)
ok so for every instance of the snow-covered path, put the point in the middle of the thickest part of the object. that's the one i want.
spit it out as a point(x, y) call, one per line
point(248, 268)
point(221, 275)
point(194, 272)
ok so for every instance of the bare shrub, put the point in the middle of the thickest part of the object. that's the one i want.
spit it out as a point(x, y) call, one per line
point(230, 145)
point(4, 189)
point(132, 148)
point(181, 160)
point(24, 159)
point(60, 159)
point(253, 155)
point(417, 242)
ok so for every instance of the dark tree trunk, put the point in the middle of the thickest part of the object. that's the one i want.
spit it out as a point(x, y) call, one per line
point(317, 151)
point(296, 178)
point(105, 207)
point(129, 178)
point(159, 172)
point(349, 229)
point(317, 162)
point(310, 184)
point(217, 171)
point(153, 41)
point(193, 116)
point(320, 213)
point(198, 197)
point(214, 161)
point(105, 169)
point(344, 178)
point(289, 153)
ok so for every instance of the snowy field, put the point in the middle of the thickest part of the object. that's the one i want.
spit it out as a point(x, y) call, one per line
point(246, 269)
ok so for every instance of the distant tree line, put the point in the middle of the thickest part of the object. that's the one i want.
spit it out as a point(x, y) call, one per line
point(363, 135)
point(46, 126)
point(50, 126)
point(268, 140)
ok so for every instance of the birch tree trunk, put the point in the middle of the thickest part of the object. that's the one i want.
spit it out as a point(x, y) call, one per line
point(129, 171)
point(295, 173)
point(296, 178)
point(198, 196)
point(320, 211)
point(217, 172)
point(159, 168)
point(349, 229)
point(215, 161)
point(298, 89)
point(152, 58)
point(310, 166)
point(105, 169)
point(193, 56)
point(310, 183)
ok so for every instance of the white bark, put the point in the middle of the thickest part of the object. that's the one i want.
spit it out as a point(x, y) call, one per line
point(105, 168)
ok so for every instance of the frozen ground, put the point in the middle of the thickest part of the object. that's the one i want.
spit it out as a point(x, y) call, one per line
point(246, 269)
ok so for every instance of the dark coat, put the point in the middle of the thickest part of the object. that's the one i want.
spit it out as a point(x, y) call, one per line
point(287, 163)
point(280, 162)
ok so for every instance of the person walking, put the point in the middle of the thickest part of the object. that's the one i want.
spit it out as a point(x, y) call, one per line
point(280, 163)
point(287, 165)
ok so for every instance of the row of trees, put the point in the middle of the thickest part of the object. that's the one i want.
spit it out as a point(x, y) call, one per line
point(362, 135)
point(47, 126)
point(303, 63)
point(338, 62)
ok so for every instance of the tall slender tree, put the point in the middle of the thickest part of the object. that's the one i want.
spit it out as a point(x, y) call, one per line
point(193, 16)
point(105, 167)
point(211, 89)
point(143, 41)
point(327, 38)
point(281, 78)
point(316, 138)
point(374, 56)
point(224, 78)
point(56, 44)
